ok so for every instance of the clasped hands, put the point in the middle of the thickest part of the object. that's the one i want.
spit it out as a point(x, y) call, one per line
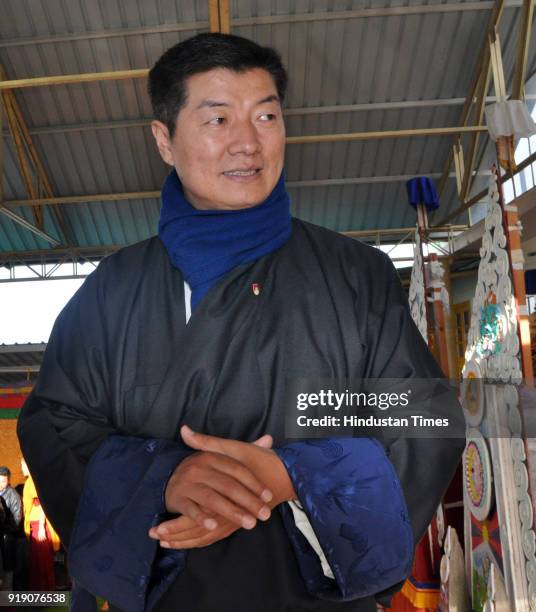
point(226, 485)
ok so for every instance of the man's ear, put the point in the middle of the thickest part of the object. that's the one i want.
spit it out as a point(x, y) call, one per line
point(163, 141)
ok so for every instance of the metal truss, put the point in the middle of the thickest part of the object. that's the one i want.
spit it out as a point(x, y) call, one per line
point(40, 191)
point(44, 265)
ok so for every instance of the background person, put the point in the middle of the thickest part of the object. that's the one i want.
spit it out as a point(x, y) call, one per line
point(10, 496)
point(43, 539)
point(12, 508)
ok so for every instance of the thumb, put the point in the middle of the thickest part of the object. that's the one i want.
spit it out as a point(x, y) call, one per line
point(193, 439)
point(265, 441)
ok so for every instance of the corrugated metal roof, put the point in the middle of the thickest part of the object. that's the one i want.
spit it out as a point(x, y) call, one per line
point(14, 358)
point(331, 62)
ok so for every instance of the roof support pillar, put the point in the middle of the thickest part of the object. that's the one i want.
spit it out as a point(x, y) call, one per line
point(497, 66)
point(525, 30)
point(219, 16)
point(481, 66)
point(458, 164)
point(475, 137)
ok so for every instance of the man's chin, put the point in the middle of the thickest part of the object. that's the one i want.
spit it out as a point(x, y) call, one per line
point(245, 198)
point(241, 205)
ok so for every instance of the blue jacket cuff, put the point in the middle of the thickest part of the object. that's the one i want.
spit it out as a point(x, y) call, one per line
point(352, 496)
point(111, 554)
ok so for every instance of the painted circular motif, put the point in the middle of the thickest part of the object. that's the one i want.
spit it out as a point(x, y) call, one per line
point(472, 394)
point(477, 475)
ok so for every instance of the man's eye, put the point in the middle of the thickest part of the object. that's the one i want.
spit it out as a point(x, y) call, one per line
point(217, 120)
point(267, 117)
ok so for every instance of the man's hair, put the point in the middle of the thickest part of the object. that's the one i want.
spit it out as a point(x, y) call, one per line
point(201, 53)
point(5, 471)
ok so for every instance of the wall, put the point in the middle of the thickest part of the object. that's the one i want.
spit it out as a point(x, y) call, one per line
point(10, 453)
point(463, 289)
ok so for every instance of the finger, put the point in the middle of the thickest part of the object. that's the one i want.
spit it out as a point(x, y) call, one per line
point(233, 449)
point(178, 525)
point(205, 540)
point(185, 529)
point(206, 473)
point(203, 442)
point(265, 441)
point(189, 508)
point(233, 467)
point(214, 501)
point(199, 532)
point(193, 533)
point(236, 492)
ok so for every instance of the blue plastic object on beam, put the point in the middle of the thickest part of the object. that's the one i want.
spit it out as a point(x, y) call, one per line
point(421, 190)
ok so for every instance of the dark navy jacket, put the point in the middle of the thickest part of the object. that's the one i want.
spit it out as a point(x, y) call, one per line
point(123, 371)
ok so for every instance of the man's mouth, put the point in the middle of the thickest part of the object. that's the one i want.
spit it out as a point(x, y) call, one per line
point(250, 172)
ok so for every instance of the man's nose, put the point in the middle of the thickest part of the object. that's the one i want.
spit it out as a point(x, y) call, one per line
point(244, 139)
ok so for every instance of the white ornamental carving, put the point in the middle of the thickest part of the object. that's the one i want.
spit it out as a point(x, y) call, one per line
point(416, 298)
point(453, 590)
point(437, 275)
point(497, 350)
point(493, 347)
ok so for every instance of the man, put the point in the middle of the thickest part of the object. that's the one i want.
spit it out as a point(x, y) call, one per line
point(12, 511)
point(156, 432)
point(10, 496)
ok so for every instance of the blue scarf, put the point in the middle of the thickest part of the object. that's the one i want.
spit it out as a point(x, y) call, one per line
point(206, 244)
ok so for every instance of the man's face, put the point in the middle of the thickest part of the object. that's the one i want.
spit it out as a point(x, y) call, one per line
point(4, 481)
point(229, 143)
